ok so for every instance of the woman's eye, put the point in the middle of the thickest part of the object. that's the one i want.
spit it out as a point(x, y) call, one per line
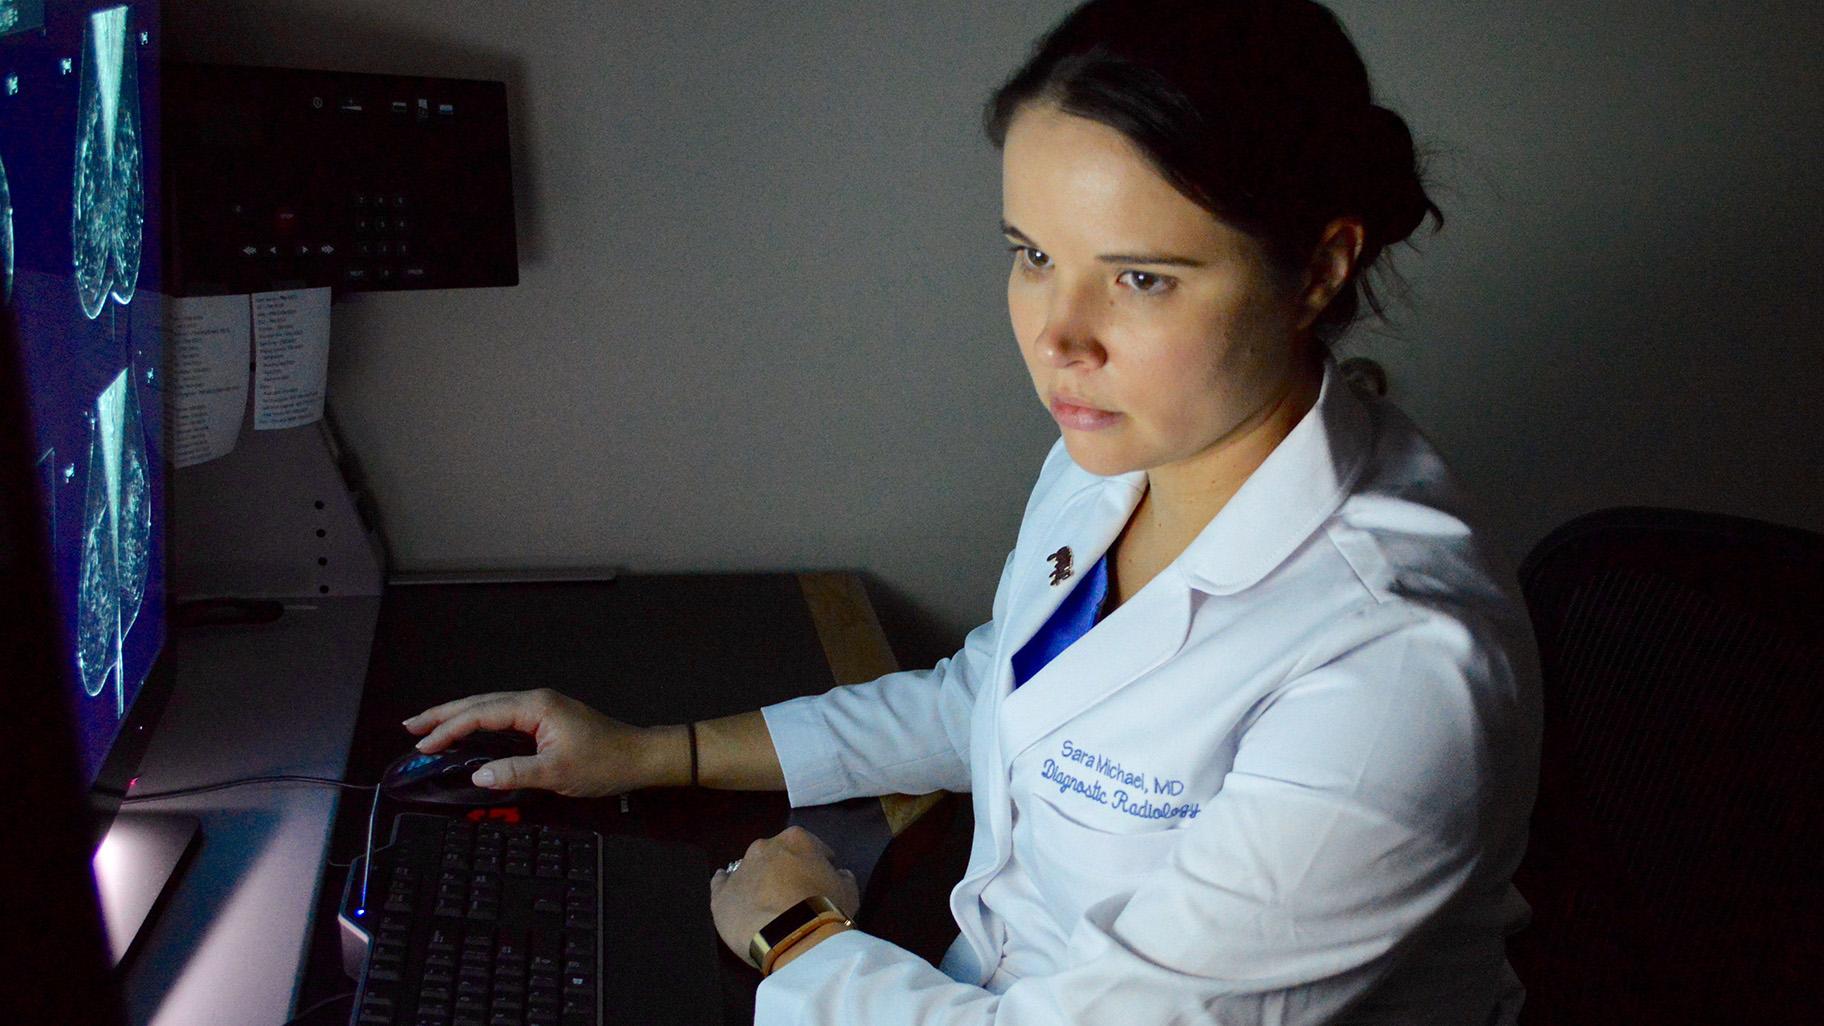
point(1148, 284)
point(1030, 258)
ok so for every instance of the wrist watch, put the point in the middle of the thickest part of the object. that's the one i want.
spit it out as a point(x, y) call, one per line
point(790, 927)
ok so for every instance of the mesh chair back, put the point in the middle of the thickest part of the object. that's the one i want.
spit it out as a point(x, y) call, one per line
point(1674, 861)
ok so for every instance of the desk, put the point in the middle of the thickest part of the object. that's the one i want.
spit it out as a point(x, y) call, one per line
point(648, 650)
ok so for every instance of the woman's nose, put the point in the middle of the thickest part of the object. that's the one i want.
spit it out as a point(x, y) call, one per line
point(1071, 334)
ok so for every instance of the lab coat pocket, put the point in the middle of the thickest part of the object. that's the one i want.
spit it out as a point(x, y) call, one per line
point(1076, 865)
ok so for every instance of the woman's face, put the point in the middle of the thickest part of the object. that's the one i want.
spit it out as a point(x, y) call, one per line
point(1154, 333)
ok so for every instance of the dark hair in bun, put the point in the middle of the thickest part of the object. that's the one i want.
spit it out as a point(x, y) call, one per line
point(1260, 111)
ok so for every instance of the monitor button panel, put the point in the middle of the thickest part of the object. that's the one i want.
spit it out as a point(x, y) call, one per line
point(359, 182)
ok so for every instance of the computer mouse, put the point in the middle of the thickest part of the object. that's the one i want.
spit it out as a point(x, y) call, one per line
point(443, 777)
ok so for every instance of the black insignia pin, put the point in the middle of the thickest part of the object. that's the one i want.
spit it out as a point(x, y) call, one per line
point(1060, 570)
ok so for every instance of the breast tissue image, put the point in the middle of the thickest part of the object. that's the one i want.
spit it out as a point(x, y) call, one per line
point(107, 227)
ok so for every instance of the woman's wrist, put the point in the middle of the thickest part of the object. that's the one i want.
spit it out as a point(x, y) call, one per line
point(809, 941)
point(665, 754)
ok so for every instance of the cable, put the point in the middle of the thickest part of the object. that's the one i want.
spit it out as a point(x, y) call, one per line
point(288, 778)
point(319, 1006)
point(285, 778)
point(368, 865)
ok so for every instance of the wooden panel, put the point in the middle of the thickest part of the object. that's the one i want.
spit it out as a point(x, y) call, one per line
point(852, 639)
point(857, 650)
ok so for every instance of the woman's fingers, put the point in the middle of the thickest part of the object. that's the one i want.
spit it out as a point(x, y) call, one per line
point(517, 711)
point(436, 714)
point(506, 774)
point(799, 839)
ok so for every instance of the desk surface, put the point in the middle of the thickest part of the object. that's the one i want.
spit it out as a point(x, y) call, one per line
point(647, 650)
point(232, 928)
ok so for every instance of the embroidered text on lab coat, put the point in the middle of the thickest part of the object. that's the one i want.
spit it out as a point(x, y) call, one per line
point(1131, 797)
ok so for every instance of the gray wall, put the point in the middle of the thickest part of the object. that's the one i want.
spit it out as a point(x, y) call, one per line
point(761, 321)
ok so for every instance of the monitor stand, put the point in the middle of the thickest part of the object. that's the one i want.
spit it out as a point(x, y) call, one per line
point(136, 864)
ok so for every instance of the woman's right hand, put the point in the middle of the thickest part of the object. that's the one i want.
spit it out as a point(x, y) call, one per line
point(581, 753)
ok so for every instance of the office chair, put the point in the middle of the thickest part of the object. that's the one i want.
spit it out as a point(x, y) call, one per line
point(1673, 868)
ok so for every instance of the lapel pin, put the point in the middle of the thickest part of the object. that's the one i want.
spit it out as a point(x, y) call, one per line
point(1060, 561)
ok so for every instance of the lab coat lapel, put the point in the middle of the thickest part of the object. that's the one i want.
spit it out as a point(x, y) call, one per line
point(1087, 525)
point(1138, 636)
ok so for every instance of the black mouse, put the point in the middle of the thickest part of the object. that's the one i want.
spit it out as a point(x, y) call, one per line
point(443, 777)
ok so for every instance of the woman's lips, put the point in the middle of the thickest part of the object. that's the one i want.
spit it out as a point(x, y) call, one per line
point(1082, 418)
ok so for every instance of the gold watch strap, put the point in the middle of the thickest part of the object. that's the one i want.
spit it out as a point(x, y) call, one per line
point(791, 926)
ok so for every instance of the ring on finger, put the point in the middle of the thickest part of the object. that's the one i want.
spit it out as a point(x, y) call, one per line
point(732, 866)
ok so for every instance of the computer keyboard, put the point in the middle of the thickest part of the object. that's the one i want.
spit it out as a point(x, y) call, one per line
point(476, 924)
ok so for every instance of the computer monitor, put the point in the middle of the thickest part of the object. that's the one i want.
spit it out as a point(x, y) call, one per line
point(80, 261)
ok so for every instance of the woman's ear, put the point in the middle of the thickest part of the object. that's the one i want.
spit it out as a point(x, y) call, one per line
point(1331, 265)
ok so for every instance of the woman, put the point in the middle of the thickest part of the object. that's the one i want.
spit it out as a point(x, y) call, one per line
point(1252, 733)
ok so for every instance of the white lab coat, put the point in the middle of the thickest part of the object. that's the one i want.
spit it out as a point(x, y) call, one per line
point(1287, 782)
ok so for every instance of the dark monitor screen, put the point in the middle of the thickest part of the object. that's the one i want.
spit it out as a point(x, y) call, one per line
point(80, 276)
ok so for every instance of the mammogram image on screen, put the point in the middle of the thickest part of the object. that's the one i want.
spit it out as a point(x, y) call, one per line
point(116, 539)
point(108, 219)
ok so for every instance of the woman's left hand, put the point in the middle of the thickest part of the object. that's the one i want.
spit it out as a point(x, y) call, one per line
point(776, 873)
